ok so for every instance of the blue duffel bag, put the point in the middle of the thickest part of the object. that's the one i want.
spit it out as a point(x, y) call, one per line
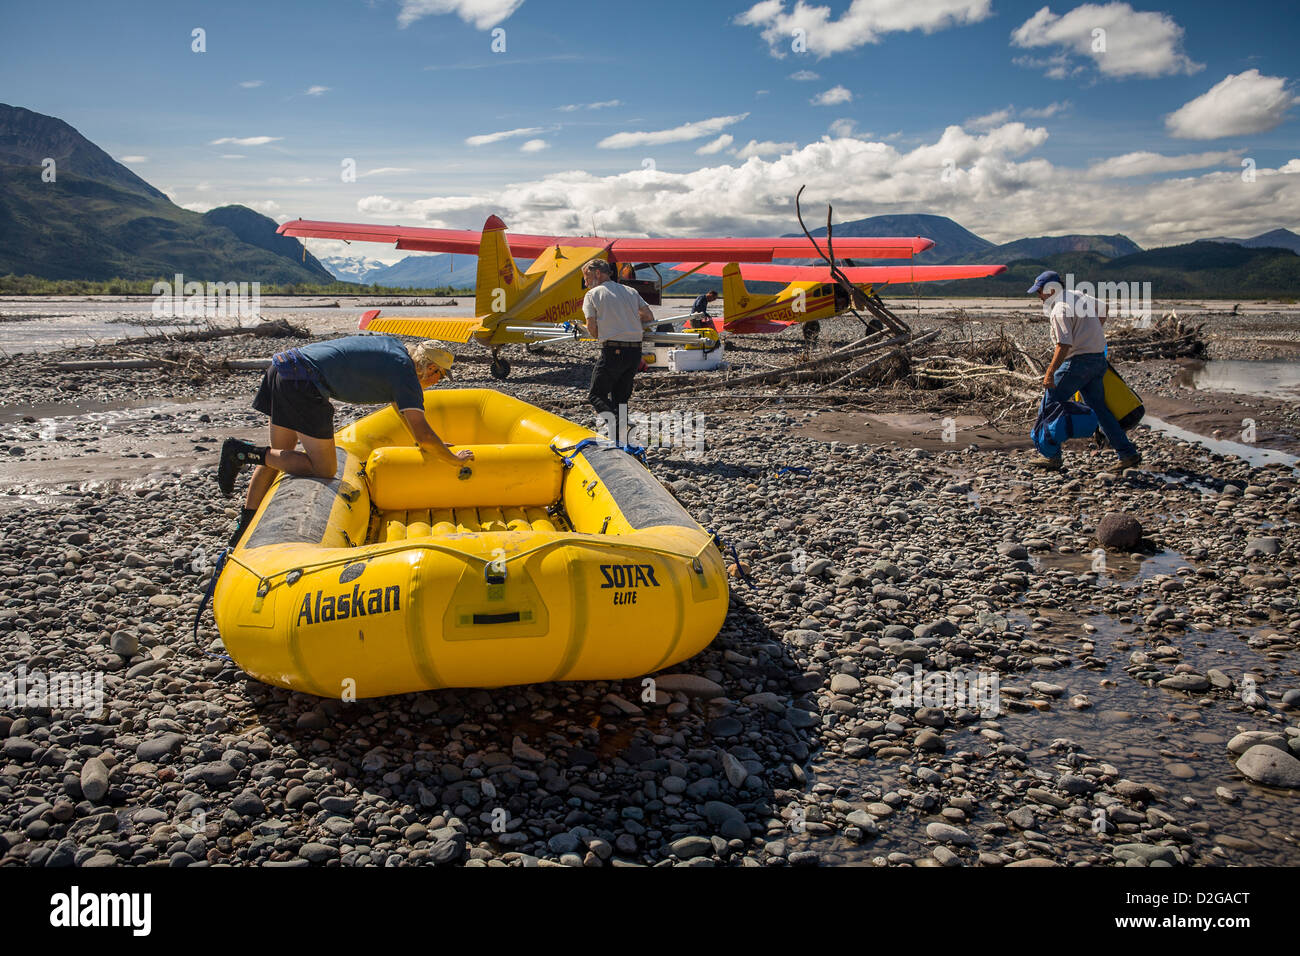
point(1058, 422)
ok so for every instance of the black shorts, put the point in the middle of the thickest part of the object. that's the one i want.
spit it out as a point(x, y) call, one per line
point(295, 404)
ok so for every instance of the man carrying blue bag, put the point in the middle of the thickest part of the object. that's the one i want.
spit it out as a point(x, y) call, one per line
point(1078, 365)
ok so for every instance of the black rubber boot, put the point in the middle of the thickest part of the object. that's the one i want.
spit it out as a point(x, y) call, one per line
point(235, 454)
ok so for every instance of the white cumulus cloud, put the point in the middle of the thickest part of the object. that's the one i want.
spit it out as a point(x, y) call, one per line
point(677, 134)
point(865, 21)
point(534, 146)
point(765, 148)
point(1120, 41)
point(997, 187)
point(316, 90)
point(1239, 104)
point(716, 145)
point(832, 97)
point(1144, 163)
point(483, 14)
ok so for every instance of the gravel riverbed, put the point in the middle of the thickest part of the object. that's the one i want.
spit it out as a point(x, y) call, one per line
point(1131, 706)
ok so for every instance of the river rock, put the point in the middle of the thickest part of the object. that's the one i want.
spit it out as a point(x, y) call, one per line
point(1270, 766)
point(1119, 532)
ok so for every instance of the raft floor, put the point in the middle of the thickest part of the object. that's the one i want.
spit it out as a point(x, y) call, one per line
point(405, 525)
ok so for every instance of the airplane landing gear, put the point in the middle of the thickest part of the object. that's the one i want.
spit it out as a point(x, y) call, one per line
point(499, 368)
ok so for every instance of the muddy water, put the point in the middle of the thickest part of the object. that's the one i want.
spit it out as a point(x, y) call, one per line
point(1268, 378)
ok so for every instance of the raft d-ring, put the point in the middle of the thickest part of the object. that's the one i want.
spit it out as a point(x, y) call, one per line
point(263, 588)
point(494, 572)
point(294, 576)
point(590, 488)
point(697, 566)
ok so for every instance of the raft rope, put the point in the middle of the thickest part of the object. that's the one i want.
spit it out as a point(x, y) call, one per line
point(265, 583)
point(210, 589)
point(725, 546)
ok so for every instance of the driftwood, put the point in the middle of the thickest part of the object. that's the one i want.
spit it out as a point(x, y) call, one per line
point(1168, 337)
point(1032, 363)
point(846, 351)
point(280, 328)
point(854, 373)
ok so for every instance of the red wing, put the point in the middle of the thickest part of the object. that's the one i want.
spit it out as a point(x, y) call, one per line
point(875, 275)
point(466, 241)
point(422, 239)
point(762, 250)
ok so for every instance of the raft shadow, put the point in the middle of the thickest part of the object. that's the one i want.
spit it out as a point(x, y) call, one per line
point(580, 740)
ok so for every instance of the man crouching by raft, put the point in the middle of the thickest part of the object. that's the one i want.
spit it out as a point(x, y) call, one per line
point(295, 393)
point(1079, 361)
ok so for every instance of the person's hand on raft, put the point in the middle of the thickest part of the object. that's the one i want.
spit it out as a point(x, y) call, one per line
point(465, 455)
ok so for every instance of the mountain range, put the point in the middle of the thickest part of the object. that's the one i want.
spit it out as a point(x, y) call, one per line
point(95, 219)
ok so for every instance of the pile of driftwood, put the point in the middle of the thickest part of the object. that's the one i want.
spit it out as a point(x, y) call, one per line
point(277, 329)
point(1168, 337)
point(187, 364)
point(954, 372)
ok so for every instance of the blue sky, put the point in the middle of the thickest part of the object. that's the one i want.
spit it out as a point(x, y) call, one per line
point(990, 111)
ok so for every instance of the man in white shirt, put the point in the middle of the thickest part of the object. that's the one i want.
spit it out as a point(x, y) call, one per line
point(1079, 360)
point(617, 316)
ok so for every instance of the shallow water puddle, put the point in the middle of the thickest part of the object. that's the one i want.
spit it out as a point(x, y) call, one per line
point(1251, 454)
point(1265, 378)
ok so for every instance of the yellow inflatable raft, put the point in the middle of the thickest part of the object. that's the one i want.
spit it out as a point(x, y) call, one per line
point(552, 556)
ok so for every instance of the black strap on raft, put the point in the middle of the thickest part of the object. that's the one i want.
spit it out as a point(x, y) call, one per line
point(211, 588)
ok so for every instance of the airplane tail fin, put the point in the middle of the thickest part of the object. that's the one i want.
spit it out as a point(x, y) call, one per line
point(500, 281)
point(737, 301)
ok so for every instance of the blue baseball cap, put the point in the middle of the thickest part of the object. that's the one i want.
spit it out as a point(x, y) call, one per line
point(1045, 278)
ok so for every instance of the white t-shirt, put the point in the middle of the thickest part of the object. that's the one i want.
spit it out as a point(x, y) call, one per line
point(1075, 322)
point(616, 311)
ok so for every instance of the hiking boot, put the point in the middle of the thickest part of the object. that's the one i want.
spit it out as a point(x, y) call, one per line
point(1046, 464)
point(235, 454)
point(1131, 461)
point(241, 525)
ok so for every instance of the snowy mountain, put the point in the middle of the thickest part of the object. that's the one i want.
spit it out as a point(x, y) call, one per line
point(352, 268)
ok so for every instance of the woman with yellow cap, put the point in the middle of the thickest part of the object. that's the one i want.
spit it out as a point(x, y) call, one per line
point(296, 392)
